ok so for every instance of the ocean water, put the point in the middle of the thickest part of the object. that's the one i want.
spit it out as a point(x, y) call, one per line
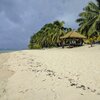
point(6, 51)
point(10, 50)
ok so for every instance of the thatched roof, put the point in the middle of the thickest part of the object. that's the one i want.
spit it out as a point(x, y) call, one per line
point(73, 35)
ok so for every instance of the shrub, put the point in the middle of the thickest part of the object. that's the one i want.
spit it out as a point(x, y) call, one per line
point(37, 46)
point(87, 41)
point(98, 39)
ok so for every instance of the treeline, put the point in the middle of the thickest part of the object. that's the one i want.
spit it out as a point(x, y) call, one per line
point(49, 35)
point(89, 25)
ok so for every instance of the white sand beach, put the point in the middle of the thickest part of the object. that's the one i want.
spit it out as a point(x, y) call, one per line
point(51, 74)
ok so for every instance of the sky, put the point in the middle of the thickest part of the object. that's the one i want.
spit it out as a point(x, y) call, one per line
point(20, 19)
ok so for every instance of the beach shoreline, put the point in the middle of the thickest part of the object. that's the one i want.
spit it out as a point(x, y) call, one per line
point(51, 74)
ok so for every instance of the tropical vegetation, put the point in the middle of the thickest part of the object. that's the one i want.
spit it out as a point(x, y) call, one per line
point(49, 35)
point(89, 25)
point(89, 21)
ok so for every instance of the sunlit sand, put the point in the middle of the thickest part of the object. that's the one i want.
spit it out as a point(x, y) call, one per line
point(51, 74)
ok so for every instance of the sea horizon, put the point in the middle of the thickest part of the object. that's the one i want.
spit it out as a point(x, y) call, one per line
point(10, 50)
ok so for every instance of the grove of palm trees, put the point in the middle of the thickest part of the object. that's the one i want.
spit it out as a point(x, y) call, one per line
point(89, 25)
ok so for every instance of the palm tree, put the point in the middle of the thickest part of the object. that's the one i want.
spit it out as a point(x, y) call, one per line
point(58, 31)
point(89, 19)
point(48, 35)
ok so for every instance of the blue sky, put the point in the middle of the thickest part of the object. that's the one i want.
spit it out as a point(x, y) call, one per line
point(20, 19)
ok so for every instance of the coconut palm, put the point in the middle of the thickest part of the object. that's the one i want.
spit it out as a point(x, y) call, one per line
point(89, 19)
point(49, 35)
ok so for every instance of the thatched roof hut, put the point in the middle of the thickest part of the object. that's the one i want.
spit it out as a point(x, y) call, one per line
point(74, 39)
point(73, 35)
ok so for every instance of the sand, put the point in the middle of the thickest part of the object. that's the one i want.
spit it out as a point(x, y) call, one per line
point(51, 74)
point(5, 73)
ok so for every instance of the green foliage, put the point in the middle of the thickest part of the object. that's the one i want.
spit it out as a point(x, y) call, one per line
point(89, 21)
point(98, 39)
point(36, 46)
point(48, 36)
point(93, 39)
point(89, 25)
point(87, 41)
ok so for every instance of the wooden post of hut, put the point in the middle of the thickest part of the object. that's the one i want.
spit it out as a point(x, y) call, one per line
point(62, 43)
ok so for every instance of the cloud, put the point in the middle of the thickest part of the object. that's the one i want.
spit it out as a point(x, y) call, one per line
point(19, 19)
